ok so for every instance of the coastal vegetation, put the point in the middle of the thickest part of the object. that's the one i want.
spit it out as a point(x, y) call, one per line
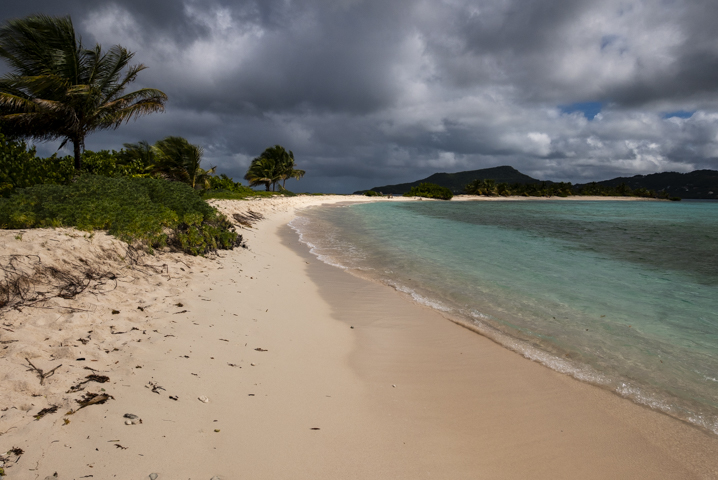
point(430, 190)
point(275, 164)
point(145, 212)
point(489, 188)
point(58, 89)
point(151, 196)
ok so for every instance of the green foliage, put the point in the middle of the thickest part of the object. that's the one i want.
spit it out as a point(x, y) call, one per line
point(146, 211)
point(223, 182)
point(275, 164)
point(488, 187)
point(179, 160)
point(372, 193)
point(112, 164)
point(58, 89)
point(223, 187)
point(430, 190)
point(140, 153)
point(20, 168)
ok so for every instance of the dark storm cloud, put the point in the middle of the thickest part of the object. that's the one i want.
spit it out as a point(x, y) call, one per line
point(368, 92)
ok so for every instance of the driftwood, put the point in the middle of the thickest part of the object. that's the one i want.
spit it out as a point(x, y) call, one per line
point(41, 373)
point(248, 219)
point(36, 283)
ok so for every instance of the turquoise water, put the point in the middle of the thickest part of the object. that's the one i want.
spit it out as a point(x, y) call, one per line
point(619, 294)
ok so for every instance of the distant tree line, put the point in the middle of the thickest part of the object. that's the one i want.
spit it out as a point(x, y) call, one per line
point(490, 188)
point(430, 190)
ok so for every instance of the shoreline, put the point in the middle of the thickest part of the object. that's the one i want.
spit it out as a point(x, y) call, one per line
point(279, 359)
point(585, 198)
point(401, 340)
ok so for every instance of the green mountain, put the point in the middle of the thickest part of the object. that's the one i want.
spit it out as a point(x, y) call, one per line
point(699, 184)
point(457, 181)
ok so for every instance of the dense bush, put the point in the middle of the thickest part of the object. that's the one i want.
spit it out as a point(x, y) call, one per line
point(112, 164)
point(372, 193)
point(223, 187)
point(21, 168)
point(145, 211)
point(430, 190)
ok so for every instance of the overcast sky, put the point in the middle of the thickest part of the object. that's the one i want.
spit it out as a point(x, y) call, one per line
point(370, 92)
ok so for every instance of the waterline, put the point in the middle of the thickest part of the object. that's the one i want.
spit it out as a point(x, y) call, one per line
point(619, 295)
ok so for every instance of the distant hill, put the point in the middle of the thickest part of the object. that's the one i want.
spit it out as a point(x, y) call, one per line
point(700, 184)
point(456, 181)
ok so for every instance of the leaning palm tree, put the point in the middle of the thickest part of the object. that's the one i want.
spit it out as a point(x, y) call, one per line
point(295, 174)
point(58, 89)
point(284, 163)
point(263, 171)
point(141, 152)
point(179, 160)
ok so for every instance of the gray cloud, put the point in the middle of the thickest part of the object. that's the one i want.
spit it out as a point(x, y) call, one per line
point(368, 92)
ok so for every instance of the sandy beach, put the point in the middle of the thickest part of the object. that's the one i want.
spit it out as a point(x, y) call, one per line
point(266, 363)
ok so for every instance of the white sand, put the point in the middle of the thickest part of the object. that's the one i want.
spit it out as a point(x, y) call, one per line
point(462, 407)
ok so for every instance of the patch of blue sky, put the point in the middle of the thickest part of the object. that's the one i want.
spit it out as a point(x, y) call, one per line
point(589, 109)
point(679, 114)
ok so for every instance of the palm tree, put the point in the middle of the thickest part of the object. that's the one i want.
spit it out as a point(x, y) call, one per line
point(263, 171)
point(295, 174)
point(275, 163)
point(58, 89)
point(179, 160)
point(141, 152)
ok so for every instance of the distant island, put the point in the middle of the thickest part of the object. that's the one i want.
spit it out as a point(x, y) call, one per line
point(700, 184)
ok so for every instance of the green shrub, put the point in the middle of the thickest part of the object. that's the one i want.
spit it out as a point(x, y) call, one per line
point(20, 168)
point(145, 211)
point(238, 194)
point(372, 193)
point(430, 190)
point(223, 182)
point(112, 164)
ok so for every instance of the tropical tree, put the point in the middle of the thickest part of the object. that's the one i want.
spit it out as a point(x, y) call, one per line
point(273, 165)
point(179, 160)
point(141, 152)
point(58, 89)
point(263, 171)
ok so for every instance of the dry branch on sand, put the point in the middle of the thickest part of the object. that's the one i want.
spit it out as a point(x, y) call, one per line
point(41, 373)
point(25, 281)
point(248, 218)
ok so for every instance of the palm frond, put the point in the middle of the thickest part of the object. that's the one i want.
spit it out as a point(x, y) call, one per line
point(64, 89)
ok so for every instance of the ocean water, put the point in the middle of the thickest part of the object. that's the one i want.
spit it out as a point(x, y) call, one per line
point(619, 294)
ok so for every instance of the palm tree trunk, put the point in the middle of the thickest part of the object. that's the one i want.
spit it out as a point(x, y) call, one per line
point(77, 145)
